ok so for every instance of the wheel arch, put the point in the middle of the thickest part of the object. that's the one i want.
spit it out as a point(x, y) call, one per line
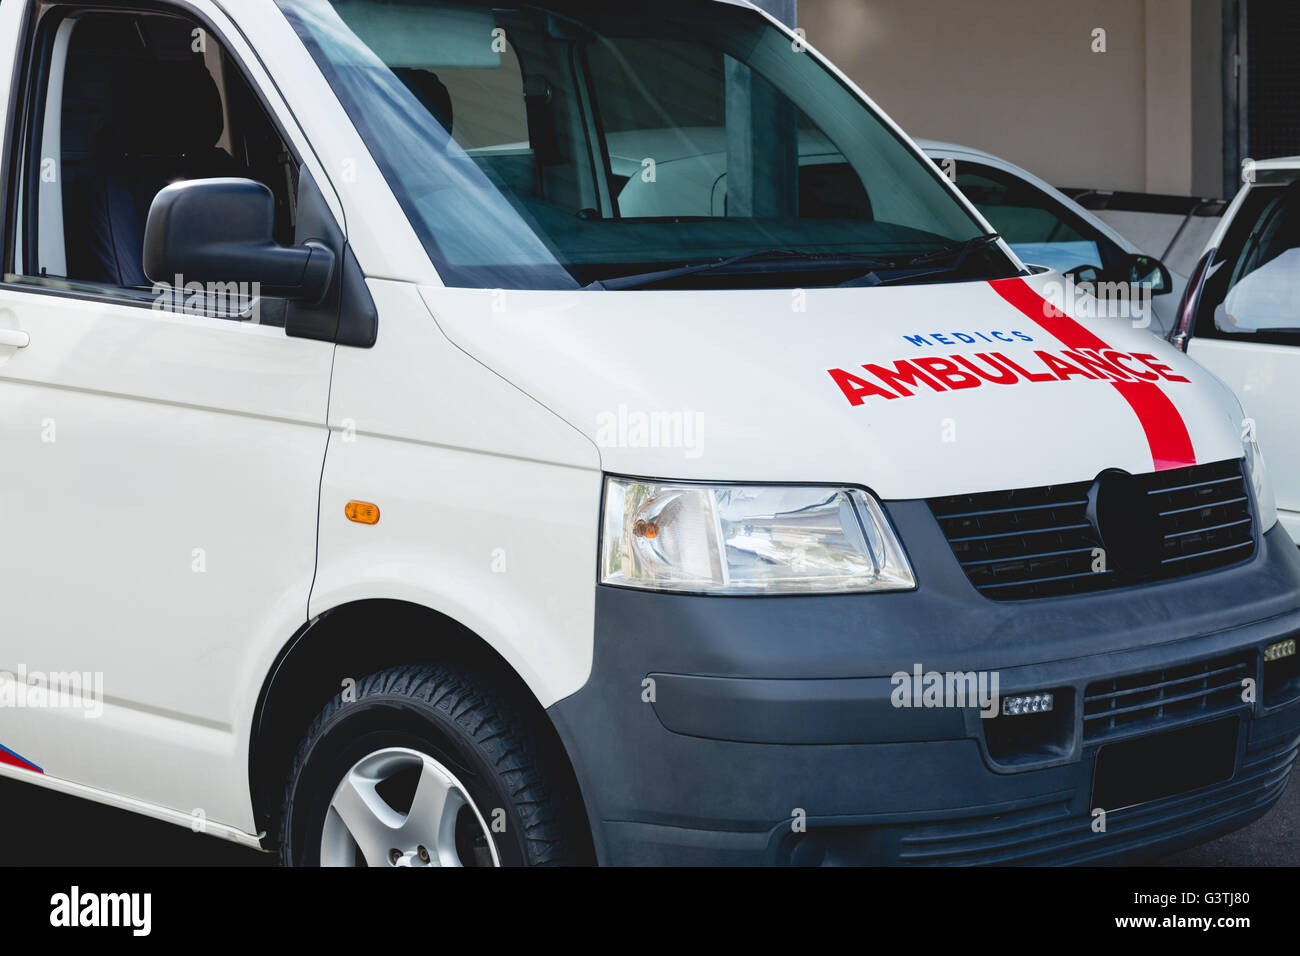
point(356, 639)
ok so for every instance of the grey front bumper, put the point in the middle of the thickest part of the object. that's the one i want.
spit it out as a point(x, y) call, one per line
point(771, 711)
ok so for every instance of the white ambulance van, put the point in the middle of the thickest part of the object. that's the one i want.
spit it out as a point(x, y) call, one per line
point(452, 433)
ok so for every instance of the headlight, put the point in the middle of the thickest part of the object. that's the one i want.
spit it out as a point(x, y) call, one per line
point(1257, 474)
point(748, 539)
point(1253, 462)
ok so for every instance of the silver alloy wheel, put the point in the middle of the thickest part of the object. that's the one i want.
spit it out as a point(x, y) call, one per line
point(442, 828)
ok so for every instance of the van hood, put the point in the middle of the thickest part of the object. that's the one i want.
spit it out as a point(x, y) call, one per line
point(910, 391)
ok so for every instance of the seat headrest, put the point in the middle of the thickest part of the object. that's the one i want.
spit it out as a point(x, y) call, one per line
point(163, 108)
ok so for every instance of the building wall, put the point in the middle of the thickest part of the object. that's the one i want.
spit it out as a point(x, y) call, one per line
point(1020, 78)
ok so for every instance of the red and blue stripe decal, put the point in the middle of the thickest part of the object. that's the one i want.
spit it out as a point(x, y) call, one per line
point(1166, 432)
point(7, 756)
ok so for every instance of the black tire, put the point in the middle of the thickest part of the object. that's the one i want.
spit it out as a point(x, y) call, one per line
point(450, 715)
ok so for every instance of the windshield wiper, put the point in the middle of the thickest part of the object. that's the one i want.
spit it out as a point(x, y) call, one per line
point(917, 267)
point(828, 260)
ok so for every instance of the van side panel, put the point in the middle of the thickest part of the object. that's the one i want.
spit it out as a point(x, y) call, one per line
point(488, 502)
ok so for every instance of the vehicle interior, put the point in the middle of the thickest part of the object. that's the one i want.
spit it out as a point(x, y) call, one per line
point(132, 102)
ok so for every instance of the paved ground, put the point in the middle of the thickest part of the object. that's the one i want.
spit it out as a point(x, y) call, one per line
point(42, 827)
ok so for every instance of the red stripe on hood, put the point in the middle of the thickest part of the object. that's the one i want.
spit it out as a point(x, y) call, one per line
point(1166, 432)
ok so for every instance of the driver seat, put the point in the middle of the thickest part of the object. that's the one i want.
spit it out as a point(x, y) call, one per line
point(161, 124)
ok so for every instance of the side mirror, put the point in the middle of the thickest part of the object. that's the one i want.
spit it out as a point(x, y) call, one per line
point(1148, 270)
point(222, 231)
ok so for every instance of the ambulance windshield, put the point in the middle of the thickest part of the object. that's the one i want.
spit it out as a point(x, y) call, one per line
point(576, 144)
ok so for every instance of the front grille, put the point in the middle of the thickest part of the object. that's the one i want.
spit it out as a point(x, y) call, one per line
point(1047, 541)
point(1204, 516)
point(1140, 701)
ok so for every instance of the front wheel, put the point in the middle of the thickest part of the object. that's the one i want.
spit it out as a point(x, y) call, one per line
point(423, 765)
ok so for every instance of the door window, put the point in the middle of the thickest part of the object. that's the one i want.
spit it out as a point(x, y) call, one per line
point(1260, 261)
point(130, 103)
point(1037, 227)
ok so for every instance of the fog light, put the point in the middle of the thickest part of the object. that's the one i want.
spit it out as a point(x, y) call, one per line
point(1027, 704)
point(1275, 652)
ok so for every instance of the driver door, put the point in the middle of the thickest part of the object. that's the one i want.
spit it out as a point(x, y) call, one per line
point(159, 470)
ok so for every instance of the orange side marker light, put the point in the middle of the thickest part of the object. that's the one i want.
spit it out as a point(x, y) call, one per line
point(362, 512)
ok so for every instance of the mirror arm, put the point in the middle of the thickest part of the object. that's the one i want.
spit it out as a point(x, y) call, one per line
point(302, 272)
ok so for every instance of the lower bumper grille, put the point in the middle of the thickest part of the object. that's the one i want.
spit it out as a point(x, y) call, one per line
point(1156, 698)
point(1050, 831)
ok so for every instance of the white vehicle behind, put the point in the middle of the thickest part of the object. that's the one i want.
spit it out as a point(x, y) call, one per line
point(1045, 227)
point(1240, 317)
